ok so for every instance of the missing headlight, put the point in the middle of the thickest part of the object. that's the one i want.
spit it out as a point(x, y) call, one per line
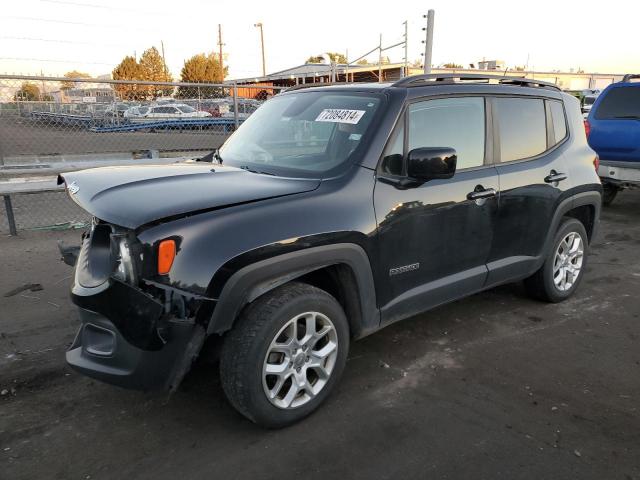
point(125, 269)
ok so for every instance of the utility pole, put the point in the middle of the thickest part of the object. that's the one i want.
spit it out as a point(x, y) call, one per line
point(264, 68)
point(380, 59)
point(428, 44)
point(164, 61)
point(405, 72)
point(220, 44)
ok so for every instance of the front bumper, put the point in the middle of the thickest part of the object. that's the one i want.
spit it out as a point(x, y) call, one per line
point(100, 351)
point(620, 173)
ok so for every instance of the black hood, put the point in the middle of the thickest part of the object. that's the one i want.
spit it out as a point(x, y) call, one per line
point(132, 196)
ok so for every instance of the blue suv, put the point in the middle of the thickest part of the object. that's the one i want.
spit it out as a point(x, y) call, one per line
point(613, 129)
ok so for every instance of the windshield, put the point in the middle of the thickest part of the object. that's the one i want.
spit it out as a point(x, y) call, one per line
point(301, 134)
point(620, 102)
point(186, 109)
point(589, 100)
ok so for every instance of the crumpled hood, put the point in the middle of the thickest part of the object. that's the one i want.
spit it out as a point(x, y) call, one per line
point(132, 196)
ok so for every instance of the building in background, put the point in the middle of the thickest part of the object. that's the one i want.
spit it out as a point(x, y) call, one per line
point(323, 73)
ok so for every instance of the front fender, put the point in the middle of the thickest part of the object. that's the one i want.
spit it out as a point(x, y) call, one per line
point(256, 279)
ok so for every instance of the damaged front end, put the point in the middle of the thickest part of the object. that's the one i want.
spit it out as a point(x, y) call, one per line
point(136, 331)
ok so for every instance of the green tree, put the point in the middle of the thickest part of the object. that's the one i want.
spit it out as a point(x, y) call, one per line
point(128, 69)
point(364, 61)
point(333, 56)
point(452, 65)
point(67, 85)
point(153, 69)
point(28, 92)
point(201, 68)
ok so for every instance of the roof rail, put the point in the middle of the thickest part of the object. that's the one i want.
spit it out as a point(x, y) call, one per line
point(452, 78)
point(630, 76)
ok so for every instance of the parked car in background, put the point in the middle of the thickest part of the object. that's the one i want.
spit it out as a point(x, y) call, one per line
point(136, 112)
point(613, 127)
point(174, 110)
point(117, 110)
point(245, 108)
point(216, 107)
point(587, 103)
point(334, 212)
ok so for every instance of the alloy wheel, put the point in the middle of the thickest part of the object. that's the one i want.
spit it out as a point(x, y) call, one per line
point(299, 360)
point(567, 263)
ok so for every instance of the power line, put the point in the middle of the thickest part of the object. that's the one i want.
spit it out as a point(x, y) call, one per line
point(69, 22)
point(74, 42)
point(21, 59)
point(104, 7)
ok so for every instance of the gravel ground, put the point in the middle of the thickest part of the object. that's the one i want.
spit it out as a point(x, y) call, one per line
point(493, 386)
point(19, 137)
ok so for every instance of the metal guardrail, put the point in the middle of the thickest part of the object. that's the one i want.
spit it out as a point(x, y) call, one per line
point(227, 124)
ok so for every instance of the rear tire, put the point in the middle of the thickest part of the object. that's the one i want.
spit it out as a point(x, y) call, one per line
point(564, 267)
point(609, 193)
point(285, 354)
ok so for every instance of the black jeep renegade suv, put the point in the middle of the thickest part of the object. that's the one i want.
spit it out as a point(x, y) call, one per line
point(330, 213)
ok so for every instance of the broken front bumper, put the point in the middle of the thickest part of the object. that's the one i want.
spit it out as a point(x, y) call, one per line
point(118, 341)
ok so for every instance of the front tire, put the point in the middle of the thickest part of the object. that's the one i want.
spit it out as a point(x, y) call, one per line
point(285, 354)
point(564, 267)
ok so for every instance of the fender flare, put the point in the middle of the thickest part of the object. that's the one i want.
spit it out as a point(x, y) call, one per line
point(590, 198)
point(254, 280)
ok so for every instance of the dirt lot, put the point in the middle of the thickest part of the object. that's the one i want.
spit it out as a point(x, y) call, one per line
point(19, 137)
point(494, 386)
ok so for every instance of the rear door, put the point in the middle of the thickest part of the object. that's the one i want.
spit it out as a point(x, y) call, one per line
point(615, 124)
point(530, 134)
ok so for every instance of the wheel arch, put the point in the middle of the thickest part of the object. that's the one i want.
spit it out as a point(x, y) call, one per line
point(585, 207)
point(342, 269)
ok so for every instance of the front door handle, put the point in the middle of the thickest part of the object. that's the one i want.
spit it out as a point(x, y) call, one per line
point(480, 192)
point(554, 177)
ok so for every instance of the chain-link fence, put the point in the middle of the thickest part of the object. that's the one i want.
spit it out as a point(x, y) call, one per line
point(50, 124)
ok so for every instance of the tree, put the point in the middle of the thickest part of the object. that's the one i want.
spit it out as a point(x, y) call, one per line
point(28, 92)
point(333, 56)
point(153, 69)
point(67, 85)
point(128, 69)
point(201, 68)
point(364, 61)
point(451, 65)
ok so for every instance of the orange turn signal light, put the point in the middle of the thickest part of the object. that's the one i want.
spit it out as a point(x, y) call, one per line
point(166, 254)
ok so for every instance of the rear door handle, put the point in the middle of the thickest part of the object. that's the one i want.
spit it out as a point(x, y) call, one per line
point(479, 193)
point(555, 177)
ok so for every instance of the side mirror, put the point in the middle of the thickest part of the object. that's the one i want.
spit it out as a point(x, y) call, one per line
point(432, 163)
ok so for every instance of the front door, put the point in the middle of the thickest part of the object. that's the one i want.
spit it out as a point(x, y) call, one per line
point(434, 238)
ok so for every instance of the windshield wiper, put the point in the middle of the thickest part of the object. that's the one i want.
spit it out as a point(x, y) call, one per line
point(628, 117)
point(253, 170)
point(209, 157)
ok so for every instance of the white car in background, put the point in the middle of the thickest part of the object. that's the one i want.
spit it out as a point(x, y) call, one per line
point(587, 103)
point(177, 110)
point(136, 112)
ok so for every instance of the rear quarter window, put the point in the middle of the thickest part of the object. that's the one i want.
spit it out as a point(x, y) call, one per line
point(619, 103)
point(559, 121)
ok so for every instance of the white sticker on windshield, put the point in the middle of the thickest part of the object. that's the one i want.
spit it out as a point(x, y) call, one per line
point(340, 115)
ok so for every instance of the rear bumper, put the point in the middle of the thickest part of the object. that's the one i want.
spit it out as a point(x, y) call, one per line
point(620, 173)
point(101, 352)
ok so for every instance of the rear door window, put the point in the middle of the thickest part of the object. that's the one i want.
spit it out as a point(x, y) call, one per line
point(619, 103)
point(523, 127)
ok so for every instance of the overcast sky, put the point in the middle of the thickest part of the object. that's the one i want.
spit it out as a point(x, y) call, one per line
point(55, 36)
